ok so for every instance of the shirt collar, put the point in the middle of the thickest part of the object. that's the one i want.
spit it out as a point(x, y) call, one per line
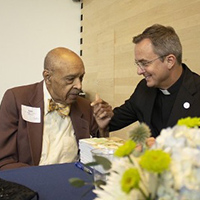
point(165, 92)
point(175, 87)
point(47, 96)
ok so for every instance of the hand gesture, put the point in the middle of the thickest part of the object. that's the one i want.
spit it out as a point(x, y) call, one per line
point(102, 112)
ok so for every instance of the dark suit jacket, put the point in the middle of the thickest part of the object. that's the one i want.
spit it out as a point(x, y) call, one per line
point(21, 141)
point(140, 105)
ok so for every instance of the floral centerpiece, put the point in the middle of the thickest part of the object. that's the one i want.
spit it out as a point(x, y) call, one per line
point(170, 169)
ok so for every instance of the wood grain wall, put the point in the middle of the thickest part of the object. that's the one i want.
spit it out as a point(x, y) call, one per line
point(108, 27)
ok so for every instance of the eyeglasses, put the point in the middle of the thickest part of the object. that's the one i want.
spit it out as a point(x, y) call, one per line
point(143, 64)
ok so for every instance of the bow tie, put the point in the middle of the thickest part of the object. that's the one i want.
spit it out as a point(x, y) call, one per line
point(62, 110)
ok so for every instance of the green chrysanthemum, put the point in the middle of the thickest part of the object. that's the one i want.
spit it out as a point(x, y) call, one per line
point(140, 133)
point(189, 122)
point(125, 149)
point(130, 180)
point(155, 161)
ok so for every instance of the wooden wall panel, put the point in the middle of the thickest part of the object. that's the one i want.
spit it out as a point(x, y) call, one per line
point(108, 51)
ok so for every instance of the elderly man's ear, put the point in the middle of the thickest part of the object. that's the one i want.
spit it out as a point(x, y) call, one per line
point(47, 76)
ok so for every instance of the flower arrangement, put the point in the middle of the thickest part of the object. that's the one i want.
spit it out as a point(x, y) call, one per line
point(170, 169)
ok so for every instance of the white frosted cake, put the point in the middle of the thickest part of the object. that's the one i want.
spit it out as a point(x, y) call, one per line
point(86, 145)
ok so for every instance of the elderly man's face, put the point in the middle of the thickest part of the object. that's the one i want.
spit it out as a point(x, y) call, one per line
point(65, 81)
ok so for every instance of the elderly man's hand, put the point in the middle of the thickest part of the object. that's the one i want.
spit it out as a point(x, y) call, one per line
point(102, 112)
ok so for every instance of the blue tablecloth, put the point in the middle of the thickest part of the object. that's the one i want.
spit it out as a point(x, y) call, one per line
point(51, 182)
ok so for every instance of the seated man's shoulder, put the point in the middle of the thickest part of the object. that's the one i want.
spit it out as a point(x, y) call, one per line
point(23, 92)
point(83, 101)
point(82, 104)
point(24, 88)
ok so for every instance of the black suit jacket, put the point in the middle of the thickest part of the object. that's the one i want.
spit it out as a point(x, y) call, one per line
point(140, 105)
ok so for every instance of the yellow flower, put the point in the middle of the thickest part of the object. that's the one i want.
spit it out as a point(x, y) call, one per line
point(130, 180)
point(189, 122)
point(155, 161)
point(125, 149)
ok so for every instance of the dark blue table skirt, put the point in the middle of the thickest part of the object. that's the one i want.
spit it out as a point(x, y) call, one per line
point(51, 182)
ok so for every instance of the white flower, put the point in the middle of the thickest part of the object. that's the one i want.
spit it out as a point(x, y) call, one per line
point(180, 182)
point(183, 145)
point(112, 190)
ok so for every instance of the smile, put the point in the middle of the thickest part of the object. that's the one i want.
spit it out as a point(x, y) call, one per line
point(147, 77)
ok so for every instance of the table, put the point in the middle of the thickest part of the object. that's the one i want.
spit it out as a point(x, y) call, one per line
point(51, 181)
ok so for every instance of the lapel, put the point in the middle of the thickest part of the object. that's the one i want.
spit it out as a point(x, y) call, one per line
point(185, 95)
point(80, 125)
point(149, 104)
point(35, 130)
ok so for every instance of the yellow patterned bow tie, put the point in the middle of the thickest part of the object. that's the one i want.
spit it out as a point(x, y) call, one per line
point(62, 110)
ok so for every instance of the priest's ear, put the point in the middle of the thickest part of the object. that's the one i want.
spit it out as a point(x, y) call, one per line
point(171, 60)
point(47, 76)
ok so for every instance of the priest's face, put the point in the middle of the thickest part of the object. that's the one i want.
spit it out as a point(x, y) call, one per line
point(153, 67)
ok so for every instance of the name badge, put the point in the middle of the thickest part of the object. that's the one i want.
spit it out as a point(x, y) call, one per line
point(31, 114)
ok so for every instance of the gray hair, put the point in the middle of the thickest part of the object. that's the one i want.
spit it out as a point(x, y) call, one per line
point(165, 41)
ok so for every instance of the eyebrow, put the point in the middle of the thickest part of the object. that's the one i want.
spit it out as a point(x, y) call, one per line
point(74, 75)
point(141, 60)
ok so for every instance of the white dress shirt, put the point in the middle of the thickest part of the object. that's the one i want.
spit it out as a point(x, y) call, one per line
point(59, 142)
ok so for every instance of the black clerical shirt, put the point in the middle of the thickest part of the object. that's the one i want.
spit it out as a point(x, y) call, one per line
point(163, 106)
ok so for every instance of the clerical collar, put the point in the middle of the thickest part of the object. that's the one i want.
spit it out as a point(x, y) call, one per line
point(165, 92)
point(175, 87)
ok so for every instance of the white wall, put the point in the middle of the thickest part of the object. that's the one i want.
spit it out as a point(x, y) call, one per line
point(28, 30)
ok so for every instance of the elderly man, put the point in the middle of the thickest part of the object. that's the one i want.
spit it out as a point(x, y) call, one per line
point(41, 123)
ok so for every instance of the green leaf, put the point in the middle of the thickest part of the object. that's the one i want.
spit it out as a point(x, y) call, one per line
point(91, 164)
point(99, 183)
point(99, 160)
point(106, 164)
point(76, 182)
